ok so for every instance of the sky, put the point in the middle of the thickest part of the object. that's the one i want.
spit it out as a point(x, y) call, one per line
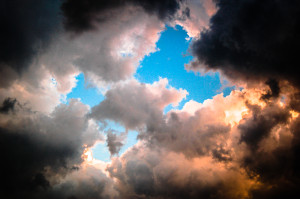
point(152, 99)
point(167, 62)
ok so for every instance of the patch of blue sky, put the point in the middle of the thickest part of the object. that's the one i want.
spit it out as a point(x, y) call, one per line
point(100, 150)
point(87, 94)
point(111, 125)
point(169, 63)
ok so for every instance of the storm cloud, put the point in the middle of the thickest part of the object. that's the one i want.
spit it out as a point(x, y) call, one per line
point(251, 40)
point(27, 29)
point(38, 149)
point(82, 15)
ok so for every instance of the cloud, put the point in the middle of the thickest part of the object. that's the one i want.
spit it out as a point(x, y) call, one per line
point(134, 104)
point(8, 105)
point(39, 89)
point(194, 15)
point(88, 182)
point(275, 160)
point(239, 146)
point(83, 15)
point(115, 141)
point(152, 172)
point(107, 55)
point(113, 53)
point(199, 129)
point(262, 122)
point(27, 29)
point(274, 89)
point(39, 150)
point(252, 46)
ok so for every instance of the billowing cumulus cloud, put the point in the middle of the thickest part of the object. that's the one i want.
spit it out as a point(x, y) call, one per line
point(88, 182)
point(8, 105)
point(113, 52)
point(194, 15)
point(237, 146)
point(251, 40)
point(145, 172)
point(134, 104)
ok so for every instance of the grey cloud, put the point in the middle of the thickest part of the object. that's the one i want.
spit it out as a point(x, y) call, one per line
point(27, 29)
point(115, 141)
point(83, 15)
point(156, 173)
point(40, 149)
point(134, 104)
point(8, 105)
point(259, 126)
point(252, 40)
point(278, 169)
point(191, 135)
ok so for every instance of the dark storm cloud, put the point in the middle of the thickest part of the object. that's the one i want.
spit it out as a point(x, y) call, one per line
point(80, 15)
point(155, 173)
point(24, 161)
point(254, 129)
point(255, 40)
point(294, 101)
point(26, 29)
point(252, 40)
point(37, 148)
point(8, 105)
point(274, 89)
point(278, 169)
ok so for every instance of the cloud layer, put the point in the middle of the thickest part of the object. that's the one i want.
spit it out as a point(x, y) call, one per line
point(251, 40)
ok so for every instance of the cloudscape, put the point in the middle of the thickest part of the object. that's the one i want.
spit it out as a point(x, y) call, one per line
point(149, 99)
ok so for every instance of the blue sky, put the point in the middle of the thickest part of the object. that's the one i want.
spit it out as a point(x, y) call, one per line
point(168, 62)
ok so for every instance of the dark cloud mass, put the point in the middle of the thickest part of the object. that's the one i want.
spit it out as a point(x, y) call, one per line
point(80, 15)
point(252, 40)
point(26, 29)
point(262, 122)
point(277, 168)
point(256, 40)
point(38, 150)
point(8, 105)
